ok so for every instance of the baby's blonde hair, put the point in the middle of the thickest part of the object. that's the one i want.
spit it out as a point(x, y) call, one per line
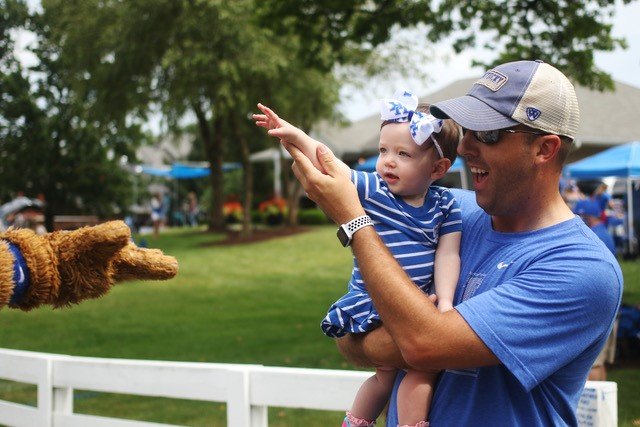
point(447, 138)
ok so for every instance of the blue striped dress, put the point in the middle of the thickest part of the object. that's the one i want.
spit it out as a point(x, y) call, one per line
point(410, 233)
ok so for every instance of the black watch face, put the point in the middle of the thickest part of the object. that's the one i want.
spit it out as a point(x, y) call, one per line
point(342, 236)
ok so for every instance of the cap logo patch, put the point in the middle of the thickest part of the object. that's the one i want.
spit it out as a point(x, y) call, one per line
point(533, 113)
point(493, 80)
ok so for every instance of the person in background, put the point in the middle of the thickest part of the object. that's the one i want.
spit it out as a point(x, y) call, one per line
point(192, 209)
point(571, 193)
point(590, 212)
point(167, 213)
point(604, 200)
point(157, 213)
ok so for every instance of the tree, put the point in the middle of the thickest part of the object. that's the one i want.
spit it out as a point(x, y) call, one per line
point(209, 60)
point(565, 34)
point(49, 146)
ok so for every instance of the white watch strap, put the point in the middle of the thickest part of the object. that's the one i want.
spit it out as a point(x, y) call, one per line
point(357, 223)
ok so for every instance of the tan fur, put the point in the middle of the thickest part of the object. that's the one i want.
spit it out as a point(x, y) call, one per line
point(67, 267)
point(42, 264)
point(147, 264)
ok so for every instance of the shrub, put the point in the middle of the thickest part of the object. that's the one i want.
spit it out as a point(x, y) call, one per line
point(312, 217)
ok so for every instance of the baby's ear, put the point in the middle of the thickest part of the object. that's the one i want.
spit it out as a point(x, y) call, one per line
point(440, 168)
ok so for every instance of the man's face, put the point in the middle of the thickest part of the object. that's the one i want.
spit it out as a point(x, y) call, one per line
point(503, 171)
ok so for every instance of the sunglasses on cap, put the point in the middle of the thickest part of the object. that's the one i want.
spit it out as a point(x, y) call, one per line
point(490, 137)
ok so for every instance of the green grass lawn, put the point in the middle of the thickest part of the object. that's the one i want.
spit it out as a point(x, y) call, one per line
point(259, 303)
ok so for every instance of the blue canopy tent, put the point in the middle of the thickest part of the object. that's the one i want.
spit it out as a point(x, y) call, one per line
point(369, 165)
point(180, 171)
point(621, 161)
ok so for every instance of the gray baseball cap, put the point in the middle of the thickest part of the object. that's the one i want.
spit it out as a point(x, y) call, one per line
point(532, 93)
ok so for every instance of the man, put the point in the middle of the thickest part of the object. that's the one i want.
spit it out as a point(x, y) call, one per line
point(537, 294)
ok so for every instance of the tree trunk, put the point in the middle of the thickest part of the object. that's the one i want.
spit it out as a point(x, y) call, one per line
point(212, 137)
point(293, 201)
point(247, 177)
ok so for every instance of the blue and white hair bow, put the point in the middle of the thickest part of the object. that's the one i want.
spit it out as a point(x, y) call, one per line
point(401, 108)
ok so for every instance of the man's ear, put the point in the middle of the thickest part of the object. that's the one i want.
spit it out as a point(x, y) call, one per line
point(440, 168)
point(547, 147)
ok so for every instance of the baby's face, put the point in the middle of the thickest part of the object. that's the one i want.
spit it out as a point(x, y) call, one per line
point(405, 166)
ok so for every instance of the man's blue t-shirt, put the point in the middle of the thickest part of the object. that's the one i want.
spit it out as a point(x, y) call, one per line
point(544, 302)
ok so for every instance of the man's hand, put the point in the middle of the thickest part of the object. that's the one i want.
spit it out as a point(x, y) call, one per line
point(375, 348)
point(66, 267)
point(333, 191)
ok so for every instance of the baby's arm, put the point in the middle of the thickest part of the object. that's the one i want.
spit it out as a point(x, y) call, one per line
point(447, 269)
point(289, 134)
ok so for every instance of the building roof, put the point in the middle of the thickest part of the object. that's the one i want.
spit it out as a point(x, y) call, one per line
point(609, 118)
point(606, 119)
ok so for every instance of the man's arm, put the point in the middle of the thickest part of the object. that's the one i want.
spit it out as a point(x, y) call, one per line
point(375, 348)
point(426, 338)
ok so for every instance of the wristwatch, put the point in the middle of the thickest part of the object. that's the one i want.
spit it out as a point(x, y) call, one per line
point(346, 231)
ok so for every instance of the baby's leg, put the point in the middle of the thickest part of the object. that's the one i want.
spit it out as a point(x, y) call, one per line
point(372, 397)
point(414, 398)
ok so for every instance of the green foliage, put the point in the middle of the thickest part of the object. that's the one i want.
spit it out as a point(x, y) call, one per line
point(210, 60)
point(336, 32)
point(631, 292)
point(312, 217)
point(565, 34)
point(256, 216)
point(50, 143)
point(628, 379)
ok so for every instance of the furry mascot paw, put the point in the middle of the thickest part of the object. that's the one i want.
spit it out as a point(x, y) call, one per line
point(66, 267)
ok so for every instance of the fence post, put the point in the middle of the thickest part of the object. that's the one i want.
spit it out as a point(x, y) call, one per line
point(45, 392)
point(238, 405)
point(259, 413)
point(63, 400)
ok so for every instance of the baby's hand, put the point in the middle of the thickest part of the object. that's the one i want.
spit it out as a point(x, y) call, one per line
point(289, 135)
point(269, 120)
point(276, 126)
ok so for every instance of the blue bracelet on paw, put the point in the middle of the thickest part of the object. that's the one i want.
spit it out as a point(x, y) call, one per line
point(20, 275)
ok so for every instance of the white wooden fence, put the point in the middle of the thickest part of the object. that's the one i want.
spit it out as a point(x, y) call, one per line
point(247, 390)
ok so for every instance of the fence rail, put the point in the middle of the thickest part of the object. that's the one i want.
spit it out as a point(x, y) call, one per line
point(247, 390)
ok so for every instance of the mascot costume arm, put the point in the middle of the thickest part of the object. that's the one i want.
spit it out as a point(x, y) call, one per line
point(66, 267)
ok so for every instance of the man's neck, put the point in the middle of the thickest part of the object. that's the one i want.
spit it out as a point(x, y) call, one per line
point(542, 213)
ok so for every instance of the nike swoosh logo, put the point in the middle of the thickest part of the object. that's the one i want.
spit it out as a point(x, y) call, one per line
point(502, 265)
